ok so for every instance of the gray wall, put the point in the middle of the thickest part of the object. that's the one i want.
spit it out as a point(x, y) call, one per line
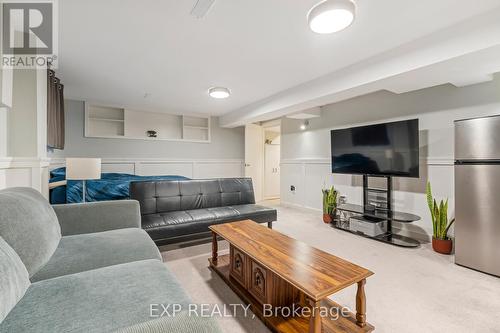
point(306, 156)
point(226, 143)
point(436, 108)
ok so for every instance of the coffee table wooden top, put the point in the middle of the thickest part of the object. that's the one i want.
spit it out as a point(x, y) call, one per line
point(314, 272)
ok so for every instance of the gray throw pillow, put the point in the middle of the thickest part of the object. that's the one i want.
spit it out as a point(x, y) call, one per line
point(14, 279)
point(30, 226)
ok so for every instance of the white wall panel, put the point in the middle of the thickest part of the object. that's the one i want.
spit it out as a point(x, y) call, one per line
point(25, 172)
point(317, 176)
point(118, 168)
point(310, 176)
point(160, 169)
point(21, 177)
point(196, 169)
point(292, 174)
point(217, 170)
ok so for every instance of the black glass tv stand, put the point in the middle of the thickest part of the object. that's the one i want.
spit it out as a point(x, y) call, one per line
point(369, 214)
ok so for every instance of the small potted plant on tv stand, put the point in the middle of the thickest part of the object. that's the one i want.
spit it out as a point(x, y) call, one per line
point(441, 242)
point(329, 204)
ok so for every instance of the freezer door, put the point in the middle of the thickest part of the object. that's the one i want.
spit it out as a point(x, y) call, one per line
point(477, 139)
point(477, 210)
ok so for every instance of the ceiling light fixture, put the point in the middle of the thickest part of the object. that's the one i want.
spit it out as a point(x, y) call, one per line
point(331, 16)
point(219, 92)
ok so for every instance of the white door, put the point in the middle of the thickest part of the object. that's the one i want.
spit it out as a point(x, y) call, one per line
point(272, 172)
point(254, 157)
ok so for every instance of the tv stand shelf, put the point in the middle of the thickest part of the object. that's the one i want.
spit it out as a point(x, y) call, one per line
point(389, 237)
point(380, 214)
point(383, 212)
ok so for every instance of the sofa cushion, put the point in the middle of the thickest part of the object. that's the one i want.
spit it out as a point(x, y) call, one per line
point(28, 223)
point(180, 195)
point(102, 300)
point(85, 252)
point(14, 279)
point(175, 224)
point(236, 191)
point(257, 213)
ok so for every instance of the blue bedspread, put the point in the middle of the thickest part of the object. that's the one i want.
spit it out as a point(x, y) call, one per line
point(111, 186)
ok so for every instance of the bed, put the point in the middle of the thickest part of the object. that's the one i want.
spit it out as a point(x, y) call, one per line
point(111, 186)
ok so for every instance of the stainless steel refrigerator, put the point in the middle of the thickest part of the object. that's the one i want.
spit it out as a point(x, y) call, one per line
point(477, 194)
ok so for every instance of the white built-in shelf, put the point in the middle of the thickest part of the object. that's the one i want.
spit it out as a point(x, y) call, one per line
point(195, 128)
point(121, 123)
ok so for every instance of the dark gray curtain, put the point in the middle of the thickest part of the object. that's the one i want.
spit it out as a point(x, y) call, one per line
point(55, 111)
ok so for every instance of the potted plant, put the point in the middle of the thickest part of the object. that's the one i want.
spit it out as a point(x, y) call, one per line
point(329, 204)
point(441, 243)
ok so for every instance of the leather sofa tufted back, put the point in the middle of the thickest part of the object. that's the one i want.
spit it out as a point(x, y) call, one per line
point(178, 195)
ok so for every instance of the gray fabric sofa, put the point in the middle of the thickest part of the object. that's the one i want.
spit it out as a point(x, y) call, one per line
point(83, 268)
point(177, 210)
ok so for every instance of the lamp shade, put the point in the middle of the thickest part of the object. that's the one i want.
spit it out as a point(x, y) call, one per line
point(83, 168)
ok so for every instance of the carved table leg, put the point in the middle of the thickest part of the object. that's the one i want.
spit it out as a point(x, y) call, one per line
point(315, 319)
point(214, 248)
point(361, 304)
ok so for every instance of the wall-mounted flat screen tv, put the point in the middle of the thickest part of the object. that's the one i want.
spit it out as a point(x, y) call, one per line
point(388, 149)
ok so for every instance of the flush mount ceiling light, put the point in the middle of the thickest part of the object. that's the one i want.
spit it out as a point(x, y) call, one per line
point(331, 16)
point(219, 92)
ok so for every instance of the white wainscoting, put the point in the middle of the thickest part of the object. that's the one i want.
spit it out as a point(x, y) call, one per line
point(25, 172)
point(309, 176)
point(196, 169)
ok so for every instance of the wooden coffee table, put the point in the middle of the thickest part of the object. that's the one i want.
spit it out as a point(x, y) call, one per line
point(265, 267)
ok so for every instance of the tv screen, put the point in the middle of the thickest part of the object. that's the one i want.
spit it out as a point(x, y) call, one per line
point(389, 149)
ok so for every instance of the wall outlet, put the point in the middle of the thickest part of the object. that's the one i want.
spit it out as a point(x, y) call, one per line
point(343, 199)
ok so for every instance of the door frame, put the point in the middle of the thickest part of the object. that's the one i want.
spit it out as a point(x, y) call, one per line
point(266, 126)
point(260, 192)
point(257, 183)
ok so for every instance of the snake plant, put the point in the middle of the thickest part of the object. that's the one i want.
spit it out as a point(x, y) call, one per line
point(329, 200)
point(439, 215)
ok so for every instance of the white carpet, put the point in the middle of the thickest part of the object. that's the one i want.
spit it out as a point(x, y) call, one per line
point(413, 290)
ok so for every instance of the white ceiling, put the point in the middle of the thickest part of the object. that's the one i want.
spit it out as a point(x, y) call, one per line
point(116, 51)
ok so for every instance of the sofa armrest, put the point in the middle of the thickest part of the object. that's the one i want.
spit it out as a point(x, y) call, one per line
point(98, 216)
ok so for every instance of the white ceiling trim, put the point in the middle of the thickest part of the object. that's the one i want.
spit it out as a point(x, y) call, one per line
point(472, 79)
point(460, 45)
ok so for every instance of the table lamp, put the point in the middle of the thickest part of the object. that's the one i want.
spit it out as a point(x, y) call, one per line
point(83, 169)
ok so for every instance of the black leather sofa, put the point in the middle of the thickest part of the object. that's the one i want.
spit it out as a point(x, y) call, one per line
point(175, 210)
